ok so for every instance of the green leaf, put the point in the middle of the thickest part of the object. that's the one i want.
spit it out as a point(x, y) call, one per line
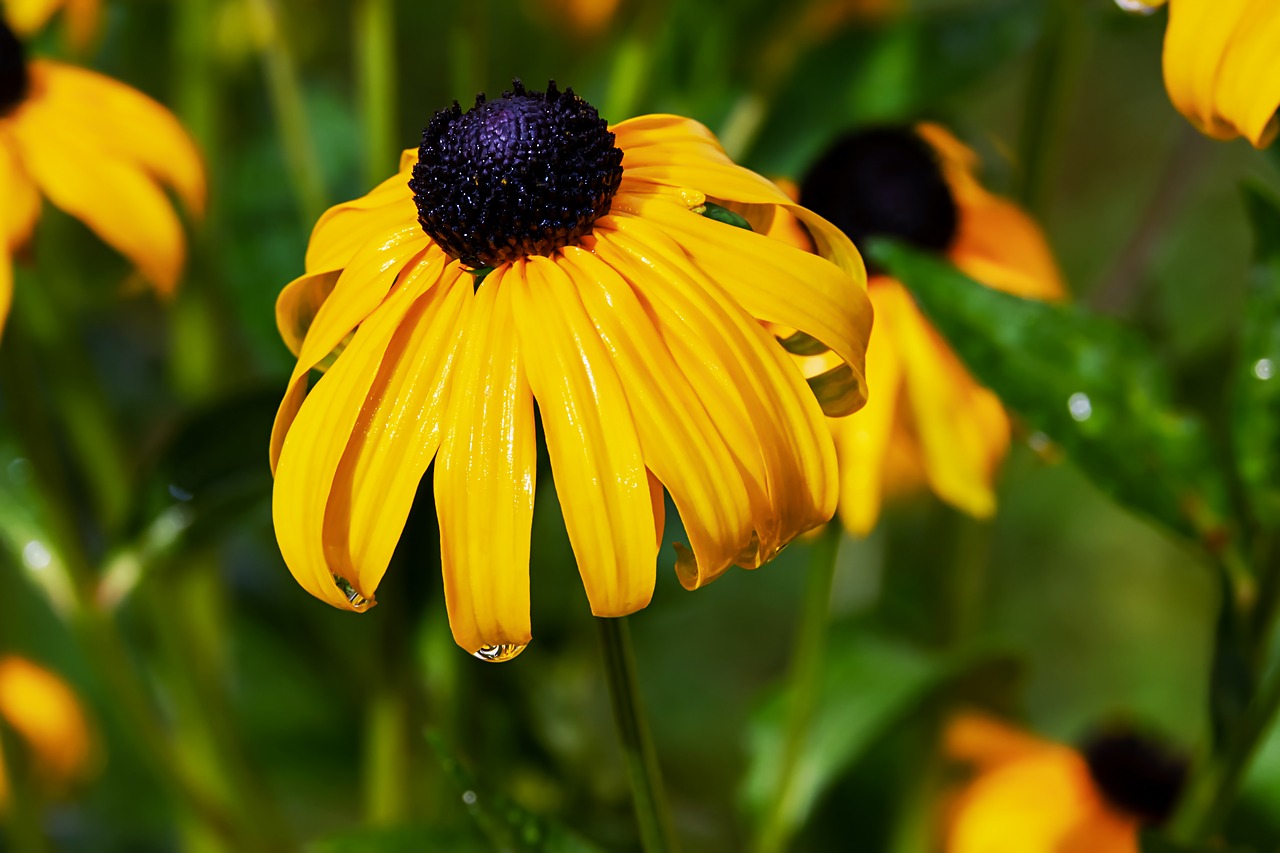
point(869, 684)
point(1256, 411)
point(505, 824)
point(1085, 382)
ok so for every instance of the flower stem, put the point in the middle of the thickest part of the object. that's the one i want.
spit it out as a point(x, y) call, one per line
point(23, 814)
point(806, 684)
point(375, 49)
point(1052, 68)
point(652, 811)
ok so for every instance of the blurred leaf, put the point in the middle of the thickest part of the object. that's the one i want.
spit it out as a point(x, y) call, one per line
point(1256, 421)
point(401, 839)
point(505, 824)
point(1151, 841)
point(1085, 382)
point(869, 683)
point(1231, 678)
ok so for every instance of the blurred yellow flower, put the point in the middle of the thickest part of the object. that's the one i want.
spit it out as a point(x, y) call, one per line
point(928, 422)
point(80, 17)
point(630, 318)
point(98, 150)
point(1220, 65)
point(1035, 796)
point(584, 17)
point(43, 711)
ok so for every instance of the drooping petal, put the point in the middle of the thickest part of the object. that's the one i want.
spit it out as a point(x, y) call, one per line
point(949, 412)
point(862, 439)
point(119, 201)
point(21, 198)
point(27, 17)
point(680, 443)
point(334, 461)
point(679, 152)
point(299, 303)
point(485, 479)
point(753, 391)
point(1001, 246)
point(596, 459)
point(123, 121)
point(777, 283)
point(1220, 69)
point(345, 228)
point(359, 290)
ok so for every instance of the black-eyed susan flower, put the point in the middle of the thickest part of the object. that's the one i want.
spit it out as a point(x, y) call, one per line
point(1029, 795)
point(80, 18)
point(928, 421)
point(527, 252)
point(100, 151)
point(46, 715)
point(1220, 65)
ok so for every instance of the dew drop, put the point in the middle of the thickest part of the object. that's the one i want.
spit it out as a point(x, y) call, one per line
point(1079, 406)
point(1264, 369)
point(500, 653)
point(469, 797)
point(1139, 7)
point(358, 601)
point(36, 555)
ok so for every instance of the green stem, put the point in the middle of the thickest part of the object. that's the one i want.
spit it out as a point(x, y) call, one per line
point(386, 749)
point(1053, 67)
point(375, 49)
point(23, 814)
point(290, 109)
point(652, 811)
point(805, 686)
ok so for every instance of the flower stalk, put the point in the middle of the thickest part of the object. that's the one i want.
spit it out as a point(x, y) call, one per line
point(653, 813)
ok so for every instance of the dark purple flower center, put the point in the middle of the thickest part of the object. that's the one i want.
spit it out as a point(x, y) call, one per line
point(524, 174)
point(13, 70)
point(883, 182)
point(1136, 775)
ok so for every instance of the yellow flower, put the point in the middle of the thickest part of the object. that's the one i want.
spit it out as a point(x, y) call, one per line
point(1035, 796)
point(928, 421)
point(79, 17)
point(630, 318)
point(43, 711)
point(98, 150)
point(1220, 65)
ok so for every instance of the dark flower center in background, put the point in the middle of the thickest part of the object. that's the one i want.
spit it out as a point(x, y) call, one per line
point(886, 182)
point(13, 70)
point(525, 174)
point(1136, 775)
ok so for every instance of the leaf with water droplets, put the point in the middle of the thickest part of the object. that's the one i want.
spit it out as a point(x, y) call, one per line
point(1256, 410)
point(506, 825)
point(1086, 382)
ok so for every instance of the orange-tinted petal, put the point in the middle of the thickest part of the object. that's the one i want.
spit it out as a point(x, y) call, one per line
point(984, 741)
point(350, 464)
point(680, 443)
point(485, 479)
point(595, 453)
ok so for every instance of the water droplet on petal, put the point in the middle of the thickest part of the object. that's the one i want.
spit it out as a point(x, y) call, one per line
point(1264, 369)
point(499, 653)
point(358, 601)
point(1080, 407)
point(1140, 7)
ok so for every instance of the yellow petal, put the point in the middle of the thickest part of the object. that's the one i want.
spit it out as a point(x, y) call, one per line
point(44, 711)
point(485, 478)
point(752, 389)
point(1044, 803)
point(123, 121)
point(777, 283)
point(345, 228)
point(351, 461)
point(680, 443)
point(360, 289)
point(27, 17)
point(1002, 247)
point(120, 202)
point(984, 741)
point(862, 439)
point(679, 152)
point(956, 441)
point(6, 284)
point(595, 454)
point(1219, 66)
point(22, 199)
point(299, 303)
